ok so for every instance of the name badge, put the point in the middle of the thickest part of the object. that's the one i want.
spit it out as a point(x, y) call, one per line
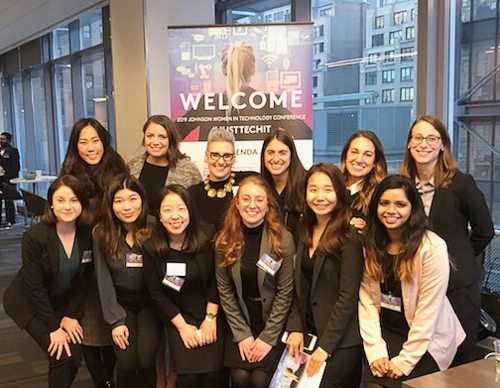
point(268, 264)
point(174, 282)
point(133, 260)
point(87, 257)
point(176, 269)
point(390, 302)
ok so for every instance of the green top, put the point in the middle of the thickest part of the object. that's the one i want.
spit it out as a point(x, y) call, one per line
point(67, 269)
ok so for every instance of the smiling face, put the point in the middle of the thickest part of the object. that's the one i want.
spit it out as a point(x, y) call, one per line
point(90, 147)
point(394, 209)
point(127, 205)
point(360, 158)
point(220, 159)
point(423, 153)
point(65, 205)
point(277, 158)
point(252, 204)
point(320, 194)
point(174, 214)
point(156, 140)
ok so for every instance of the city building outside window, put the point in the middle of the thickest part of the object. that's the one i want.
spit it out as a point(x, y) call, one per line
point(407, 74)
point(388, 95)
point(371, 78)
point(377, 40)
point(395, 36)
point(388, 76)
point(400, 17)
point(389, 56)
point(407, 94)
point(379, 22)
point(407, 54)
point(410, 33)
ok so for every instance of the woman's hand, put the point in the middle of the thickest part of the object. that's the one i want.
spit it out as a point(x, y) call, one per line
point(380, 367)
point(208, 331)
point(394, 372)
point(189, 336)
point(358, 223)
point(59, 341)
point(295, 344)
point(245, 348)
point(73, 328)
point(259, 350)
point(317, 359)
point(120, 336)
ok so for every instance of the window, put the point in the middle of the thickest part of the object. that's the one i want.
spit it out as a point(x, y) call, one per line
point(373, 58)
point(318, 48)
point(407, 74)
point(257, 12)
point(40, 120)
point(378, 40)
point(63, 103)
point(371, 78)
point(91, 29)
point(60, 42)
point(410, 33)
point(370, 100)
point(400, 17)
point(389, 56)
point(395, 36)
point(407, 54)
point(413, 14)
point(318, 31)
point(317, 64)
point(388, 95)
point(94, 88)
point(325, 12)
point(379, 22)
point(388, 76)
point(315, 82)
point(406, 94)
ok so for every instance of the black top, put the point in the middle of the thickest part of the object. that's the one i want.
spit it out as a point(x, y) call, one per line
point(249, 260)
point(212, 210)
point(355, 212)
point(307, 266)
point(394, 321)
point(153, 179)
point(9, 161)
point(290, 219)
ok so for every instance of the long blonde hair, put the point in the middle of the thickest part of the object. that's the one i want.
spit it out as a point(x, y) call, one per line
point(238, 64)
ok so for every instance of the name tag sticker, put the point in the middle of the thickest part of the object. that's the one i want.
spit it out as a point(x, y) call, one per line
point(87, 257)
point(174, 282)
point(176, 269)
point(390, 302)
point(268, 264)
point(133, 260)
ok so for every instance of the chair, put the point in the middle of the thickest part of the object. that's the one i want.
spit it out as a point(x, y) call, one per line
point(35, 205)
point(9, 193)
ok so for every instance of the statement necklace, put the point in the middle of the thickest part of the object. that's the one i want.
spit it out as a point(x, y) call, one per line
point(221, 193)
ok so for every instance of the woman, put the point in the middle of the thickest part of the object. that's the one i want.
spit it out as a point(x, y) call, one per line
point(363, 164)
point(452, 202)
point(163, 163)
point(328, 272)
point(406, 321)
point(282, 169)
point(214, 195)
point(239, 102)
point(254, 274)
point(92, 160)
point(179, 270)
point(125, 301)
point(46, 297)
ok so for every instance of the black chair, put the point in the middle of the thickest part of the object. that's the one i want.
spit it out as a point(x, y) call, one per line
point(9, 193)
point(35, 205)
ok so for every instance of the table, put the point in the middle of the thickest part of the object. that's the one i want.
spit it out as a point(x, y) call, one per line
point(34, 181)
point(477, 374)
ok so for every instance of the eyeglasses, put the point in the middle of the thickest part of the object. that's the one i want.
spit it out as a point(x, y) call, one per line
point(215, 156)
point(258, 201)
point(431, 139)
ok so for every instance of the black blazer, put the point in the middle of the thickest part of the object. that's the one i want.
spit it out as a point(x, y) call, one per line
point(334, 296)
point(10, 163)
point(29, 293)
point(154, 271)
point(452, 209)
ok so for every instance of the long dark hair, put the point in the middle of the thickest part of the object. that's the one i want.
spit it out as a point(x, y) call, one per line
point(173, 152)
point(374, 177)
point(96, 178)
point(376, 237)
point(294, 198)
point(338, 228)
point(110, 228)
point(78, 189)
point(196, 233)
point(446, 166)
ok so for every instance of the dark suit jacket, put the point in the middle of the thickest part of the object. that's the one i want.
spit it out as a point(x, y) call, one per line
point(154, 272)
point(276, 292)
point(453, 208)
point(10, 163)
point(29, 292)
point(334, 296)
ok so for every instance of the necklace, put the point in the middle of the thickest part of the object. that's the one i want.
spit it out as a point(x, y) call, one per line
point(220, 193)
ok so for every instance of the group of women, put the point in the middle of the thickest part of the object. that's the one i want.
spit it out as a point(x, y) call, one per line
point(381, 270)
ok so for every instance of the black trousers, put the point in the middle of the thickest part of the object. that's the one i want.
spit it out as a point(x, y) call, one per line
point(62, 372)
point(343, 369)
point(10, 210)
point(136, 364)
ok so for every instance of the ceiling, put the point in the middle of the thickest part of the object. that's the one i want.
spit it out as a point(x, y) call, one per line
point(23, 20)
